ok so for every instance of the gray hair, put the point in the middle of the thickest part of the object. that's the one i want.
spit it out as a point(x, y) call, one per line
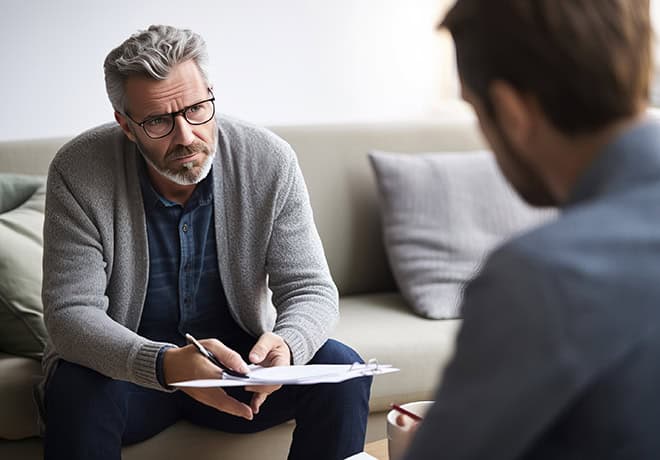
point(151, 53)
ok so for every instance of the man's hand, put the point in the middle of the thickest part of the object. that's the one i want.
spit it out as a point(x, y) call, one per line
point(269, 351)
point(186, 363)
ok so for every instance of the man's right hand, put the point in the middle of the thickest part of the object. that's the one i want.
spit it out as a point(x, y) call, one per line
point(186, 363)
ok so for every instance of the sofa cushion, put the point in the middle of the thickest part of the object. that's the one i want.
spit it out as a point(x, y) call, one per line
point(22, 330)
point(18, 417)
point(343, 190)
point(381, 326)
point(442, 213)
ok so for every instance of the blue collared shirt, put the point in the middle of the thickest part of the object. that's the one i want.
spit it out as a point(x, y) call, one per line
point(184, 292)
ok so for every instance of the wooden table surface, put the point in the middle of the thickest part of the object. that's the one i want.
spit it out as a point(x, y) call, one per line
point(377, 449)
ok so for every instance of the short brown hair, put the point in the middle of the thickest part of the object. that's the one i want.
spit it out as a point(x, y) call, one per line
point(587, 62)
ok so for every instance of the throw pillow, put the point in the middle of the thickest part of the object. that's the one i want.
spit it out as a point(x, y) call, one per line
point(15, 189)
point(442, 214)
point(22, 330)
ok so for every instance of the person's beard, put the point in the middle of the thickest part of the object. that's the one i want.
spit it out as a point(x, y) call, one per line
point(188, 173)
point(529, 185)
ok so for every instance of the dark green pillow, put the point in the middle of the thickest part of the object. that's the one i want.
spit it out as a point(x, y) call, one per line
point(22, 200)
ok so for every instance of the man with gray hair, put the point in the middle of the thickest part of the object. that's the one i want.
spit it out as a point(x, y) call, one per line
point(173, 222)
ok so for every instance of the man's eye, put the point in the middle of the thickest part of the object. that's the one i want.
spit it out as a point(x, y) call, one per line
point(195, 108)
point(155, 122)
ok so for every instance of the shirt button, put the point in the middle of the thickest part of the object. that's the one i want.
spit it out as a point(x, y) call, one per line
point(184, 227)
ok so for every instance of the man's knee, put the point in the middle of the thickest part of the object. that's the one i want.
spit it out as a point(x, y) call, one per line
point(335, 352)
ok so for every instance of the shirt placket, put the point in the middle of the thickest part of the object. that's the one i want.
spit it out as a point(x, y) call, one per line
point(186, 282)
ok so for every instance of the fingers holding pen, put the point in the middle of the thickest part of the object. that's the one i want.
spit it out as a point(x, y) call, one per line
point(228, 357)
point(270, 350)
point(188, 363)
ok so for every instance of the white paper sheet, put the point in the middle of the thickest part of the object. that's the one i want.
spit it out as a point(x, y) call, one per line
point(361, 456)
point(294, 375)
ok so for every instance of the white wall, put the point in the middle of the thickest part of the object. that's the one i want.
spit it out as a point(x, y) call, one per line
point(272, 61)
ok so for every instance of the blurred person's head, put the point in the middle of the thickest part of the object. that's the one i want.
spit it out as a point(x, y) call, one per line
point(551, 74)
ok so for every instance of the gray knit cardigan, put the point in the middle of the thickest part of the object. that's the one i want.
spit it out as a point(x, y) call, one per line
point(96, 260)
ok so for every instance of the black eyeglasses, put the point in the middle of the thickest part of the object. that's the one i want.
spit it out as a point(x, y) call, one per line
point(159, 126)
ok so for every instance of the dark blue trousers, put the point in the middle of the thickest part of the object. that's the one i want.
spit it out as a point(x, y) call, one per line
point(89, 415)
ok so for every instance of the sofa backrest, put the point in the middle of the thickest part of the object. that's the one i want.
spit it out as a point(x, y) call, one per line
point(339, 178)
point(343, 190)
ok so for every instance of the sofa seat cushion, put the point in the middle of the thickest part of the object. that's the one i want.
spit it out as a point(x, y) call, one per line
point(18, 416)
point(382, 326)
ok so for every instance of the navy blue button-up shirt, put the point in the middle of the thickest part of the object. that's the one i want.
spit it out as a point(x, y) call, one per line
point(184, 293)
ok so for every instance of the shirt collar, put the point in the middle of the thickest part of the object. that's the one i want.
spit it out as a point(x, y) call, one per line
point(202, 195)
point(631, 158)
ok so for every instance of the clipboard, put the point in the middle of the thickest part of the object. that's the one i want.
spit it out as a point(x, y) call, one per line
point(295, 375)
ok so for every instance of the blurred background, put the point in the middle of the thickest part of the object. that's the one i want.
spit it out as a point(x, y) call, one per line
point(272, 62)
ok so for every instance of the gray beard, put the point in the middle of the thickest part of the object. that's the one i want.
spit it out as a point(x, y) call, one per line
point(185, 177)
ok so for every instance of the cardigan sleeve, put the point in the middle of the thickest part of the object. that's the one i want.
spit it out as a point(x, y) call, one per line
point(85, 326)
point(304, 294)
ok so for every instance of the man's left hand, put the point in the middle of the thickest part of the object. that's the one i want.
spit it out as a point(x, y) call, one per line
point(269, 351)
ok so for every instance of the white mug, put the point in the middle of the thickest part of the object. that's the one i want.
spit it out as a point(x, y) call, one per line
point(399, 437)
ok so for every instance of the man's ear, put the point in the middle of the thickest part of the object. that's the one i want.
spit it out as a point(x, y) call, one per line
point(123, 122)
point(514, 113)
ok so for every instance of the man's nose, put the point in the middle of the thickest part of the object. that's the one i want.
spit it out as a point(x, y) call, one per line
point(183, 131)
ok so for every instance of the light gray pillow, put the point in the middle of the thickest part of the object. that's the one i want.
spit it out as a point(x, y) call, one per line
point(22, 330)
point(442, 214)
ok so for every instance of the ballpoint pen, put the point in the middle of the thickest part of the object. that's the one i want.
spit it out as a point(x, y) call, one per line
point(211, 357)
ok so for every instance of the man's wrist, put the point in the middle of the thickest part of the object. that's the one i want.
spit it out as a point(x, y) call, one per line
point(160, 369)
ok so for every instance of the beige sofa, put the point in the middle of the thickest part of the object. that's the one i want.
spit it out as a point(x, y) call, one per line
point(374, 317)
